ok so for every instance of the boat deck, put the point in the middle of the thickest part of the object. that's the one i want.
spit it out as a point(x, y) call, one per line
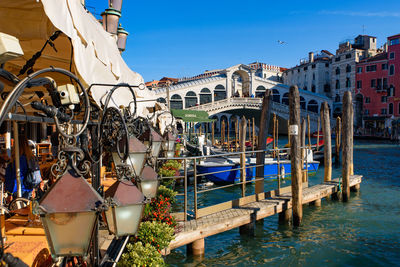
point(228, 219)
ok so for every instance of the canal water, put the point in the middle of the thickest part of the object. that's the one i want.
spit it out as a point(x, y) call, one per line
point(362, 232)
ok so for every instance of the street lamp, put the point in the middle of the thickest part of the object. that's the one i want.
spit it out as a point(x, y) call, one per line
point(126, 204)
point(152, 139)
point(110, 20)
point(148, 182)
point(137, 155)
point(68, 213)
point(122, 36)
point(169, 144)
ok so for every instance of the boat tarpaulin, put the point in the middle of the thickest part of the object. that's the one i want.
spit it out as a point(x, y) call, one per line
point(191, 115)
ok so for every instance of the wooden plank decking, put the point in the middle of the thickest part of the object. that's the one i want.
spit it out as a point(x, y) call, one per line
point(234, 217)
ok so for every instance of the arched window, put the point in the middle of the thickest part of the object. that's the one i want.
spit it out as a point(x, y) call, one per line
point(161, 100)
point(337, 71)
point(219, 92)
point(348, 68)
point(337, 98)
point(302, 103)
point(337, 84)
point(260, 91)
point(391, 70)
point(276, 96)
point(391, 90)
point(285, 99)
point(190, 99)
point(312, 106)
point(390, 108)
point(176, 102)
point(313, 88)
point(205, 96)
point(348, 83)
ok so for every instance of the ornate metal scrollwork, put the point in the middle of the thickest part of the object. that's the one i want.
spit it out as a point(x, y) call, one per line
point(71, 157)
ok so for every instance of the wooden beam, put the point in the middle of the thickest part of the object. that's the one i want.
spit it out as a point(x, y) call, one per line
point(295, 154)
point(243, 155)
point(326, 130)
point(338, 134)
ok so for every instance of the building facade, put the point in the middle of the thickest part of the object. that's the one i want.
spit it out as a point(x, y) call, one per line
point(313, 74)
point(394, 74)
point(371, 92)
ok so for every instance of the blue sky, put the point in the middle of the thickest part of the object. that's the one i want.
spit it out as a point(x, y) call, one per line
point(184, 38)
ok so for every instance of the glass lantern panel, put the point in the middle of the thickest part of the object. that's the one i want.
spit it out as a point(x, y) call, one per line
point(117, 160)
point(155, 149)
point(171, 145)
point(110, 220)
point(149, 188)
point(69, 233)
point(112, 23)
point(128, 219)
point(170, 154)
point(136, 160)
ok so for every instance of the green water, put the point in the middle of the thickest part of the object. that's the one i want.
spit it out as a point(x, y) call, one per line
point(362, 232)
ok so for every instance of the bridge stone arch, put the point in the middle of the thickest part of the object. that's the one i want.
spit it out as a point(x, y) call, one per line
point(243, 77)
point(312, 106)
point(176, 102)
point(219, 92)
point(190, 99)
point(260, 91)
point(205, 96)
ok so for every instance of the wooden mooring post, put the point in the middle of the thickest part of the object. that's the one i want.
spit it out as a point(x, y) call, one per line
point(338, 133)
point(222, 134)
point(347, 144)
point(237, 135)
point(227, 136)
point(303, 150)
point(295, 155)
point(243, 155)
point(326, 131)
point(212, 133)
point(262, 139)
point(253, 139)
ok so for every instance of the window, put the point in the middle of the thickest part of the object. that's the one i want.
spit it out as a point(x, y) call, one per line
point(359, 84)
point(337, 71)
point(383, 99)
point(313, 76)
point(384, 66)
point(384, 111)
point(359, 69)
point(391, 70)
point(373, 83)
point(298, 70)
point(305, 68)
point(327, 88)
point(337, 98)
point(391, 55)
point(394, 41)
point(348, 56)
point(379, 84)
point(371, 68)
point(337, 84)
point(348, 83)
point(366, 112)
point(313, 88)
point(390, 108)
point(348, 68)
point(337, 59)
point(367, 100)
point(391, 90)
point(326, 65)
point(305, 87)
point(313, 66)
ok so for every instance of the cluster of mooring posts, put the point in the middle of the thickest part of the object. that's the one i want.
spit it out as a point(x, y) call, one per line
point(286, 201)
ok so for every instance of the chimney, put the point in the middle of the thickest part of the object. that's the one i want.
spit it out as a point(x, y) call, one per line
point(311, 57)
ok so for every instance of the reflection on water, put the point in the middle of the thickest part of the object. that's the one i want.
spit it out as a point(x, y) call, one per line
point(363, 232)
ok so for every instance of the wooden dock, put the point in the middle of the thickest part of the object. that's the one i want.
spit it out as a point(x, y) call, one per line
point(250, 209)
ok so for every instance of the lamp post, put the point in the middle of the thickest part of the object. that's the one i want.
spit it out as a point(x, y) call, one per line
point(148, 182)
point(122, 36)
point(169, 144)
point(110, 20)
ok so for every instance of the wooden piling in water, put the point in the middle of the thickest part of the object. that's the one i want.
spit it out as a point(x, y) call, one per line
point(197, 248)
point(347, 122)
point(212, 133)
point(222, 134)
point(338, 133)
point(326, 131)
point(295, 154)
point(309, 131)
point(237, 135)
point(317, 148)
point(262, 139)
point(351, 140)
point(253, 140)
point(228, 141)
point(243, 155)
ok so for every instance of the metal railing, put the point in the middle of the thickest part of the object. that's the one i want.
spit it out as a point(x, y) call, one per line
point(278, 156)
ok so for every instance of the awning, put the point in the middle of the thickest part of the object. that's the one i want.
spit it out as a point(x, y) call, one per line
point(191, 115)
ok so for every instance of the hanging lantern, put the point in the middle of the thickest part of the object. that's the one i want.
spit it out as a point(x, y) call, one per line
point(68, 215)
point(126, 208)
point(122, 36)
point(169, 144)
point(137, 155)
point(152, 139)
point(148, 182)
point(110, 20)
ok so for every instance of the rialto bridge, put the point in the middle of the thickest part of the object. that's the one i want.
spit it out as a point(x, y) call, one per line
point(228, 94)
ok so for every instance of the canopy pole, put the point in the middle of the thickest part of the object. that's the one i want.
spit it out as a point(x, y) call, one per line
point(16, 159)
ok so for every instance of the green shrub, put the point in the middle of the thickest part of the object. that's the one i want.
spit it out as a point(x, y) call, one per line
point(167, 193)
point(138, 255)
point(169, 169)
point(157, 234)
